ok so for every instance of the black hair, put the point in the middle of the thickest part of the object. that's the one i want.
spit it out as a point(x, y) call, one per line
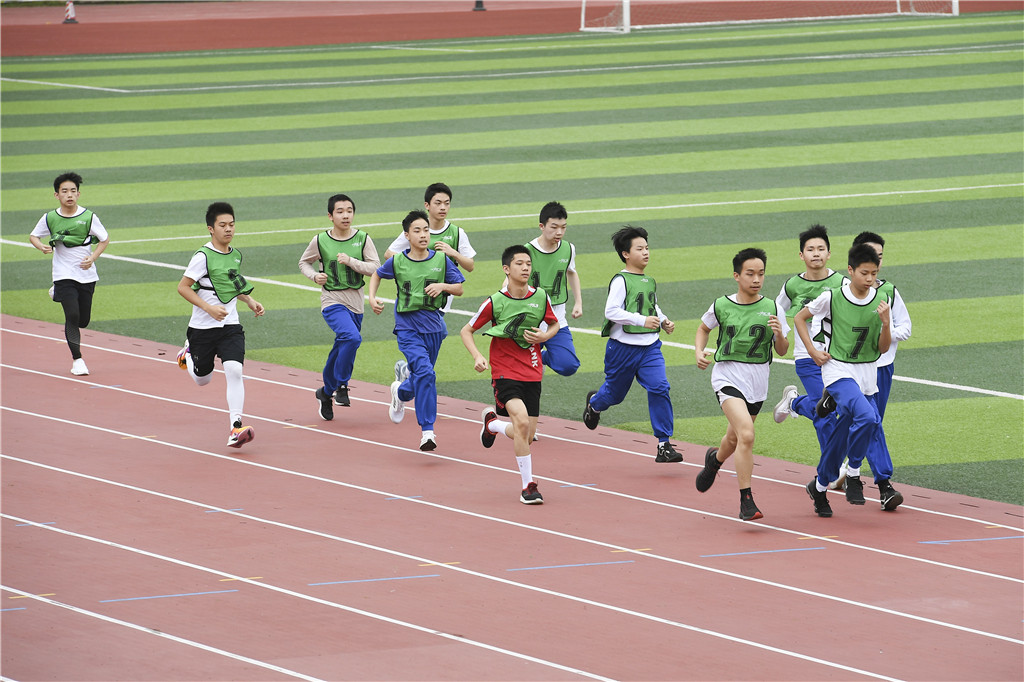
point(335, 199)
point(814, 232)
point(64, 177)
point(746, 254)
point(412, 217)
point(866, 237)
point(436, 188)
point(553, 209)
point(623, 239)
point(218, 208)
point(860, 254)
point(509, 254)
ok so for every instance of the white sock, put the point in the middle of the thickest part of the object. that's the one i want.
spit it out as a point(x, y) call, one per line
point(850, 471)
point(498, 426)
point(525, 469)
point(235, 390)
point(819, 487)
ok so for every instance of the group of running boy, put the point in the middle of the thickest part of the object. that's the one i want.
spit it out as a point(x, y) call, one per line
point(847, 331)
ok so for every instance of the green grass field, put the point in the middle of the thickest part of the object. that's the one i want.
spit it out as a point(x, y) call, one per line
point(713, 139)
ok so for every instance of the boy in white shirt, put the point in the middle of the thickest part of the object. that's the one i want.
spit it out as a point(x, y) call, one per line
point(70, 231)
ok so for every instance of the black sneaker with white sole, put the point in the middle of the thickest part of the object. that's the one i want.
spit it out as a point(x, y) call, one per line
point(531, 495)
point(706, 477)
point(821, 506)
point(326, 408)
point(591, 417)
point(667, 453)
point(341, 396)
point(889, 496)
point(826, 404)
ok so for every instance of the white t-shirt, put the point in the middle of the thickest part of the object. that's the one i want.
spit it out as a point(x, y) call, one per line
point(465, 249)
point(750, 379)
point(864, 373)
point(200, 319)
point(560, 308)
point(67, 260)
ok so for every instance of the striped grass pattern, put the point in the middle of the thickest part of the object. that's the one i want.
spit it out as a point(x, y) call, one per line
point(713, 139)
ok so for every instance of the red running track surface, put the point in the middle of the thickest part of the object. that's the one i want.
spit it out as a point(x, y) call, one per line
point(137, 546)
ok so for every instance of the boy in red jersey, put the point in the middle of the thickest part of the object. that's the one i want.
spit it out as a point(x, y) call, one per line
point(515, 314)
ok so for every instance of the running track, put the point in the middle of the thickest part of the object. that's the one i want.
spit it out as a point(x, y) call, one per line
point(136, 546)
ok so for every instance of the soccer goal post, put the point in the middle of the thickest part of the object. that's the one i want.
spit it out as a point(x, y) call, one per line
point(622, 16)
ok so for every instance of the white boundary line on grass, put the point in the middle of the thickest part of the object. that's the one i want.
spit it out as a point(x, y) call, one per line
point(958, 50)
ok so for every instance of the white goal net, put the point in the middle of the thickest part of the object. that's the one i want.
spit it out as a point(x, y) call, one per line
point(625, 15)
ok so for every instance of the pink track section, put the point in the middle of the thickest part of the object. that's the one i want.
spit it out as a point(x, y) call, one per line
point(338, 551)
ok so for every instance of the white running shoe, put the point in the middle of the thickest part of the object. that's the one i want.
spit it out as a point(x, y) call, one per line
point(401, 371)
point(396, 410)
point(784, 408)
point(78, 368)
point(50, 292)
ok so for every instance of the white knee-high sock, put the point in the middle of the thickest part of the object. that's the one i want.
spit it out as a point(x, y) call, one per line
point(235, 390)
point(525, 469)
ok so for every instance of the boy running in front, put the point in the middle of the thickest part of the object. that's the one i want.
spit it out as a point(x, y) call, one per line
point(750, 327)
point(517, 315)
point(212, 283)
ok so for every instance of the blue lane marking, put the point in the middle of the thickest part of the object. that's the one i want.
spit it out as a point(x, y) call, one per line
point(764, 551)
point(165, 596)
point(18, 608)
point(375, 580)
point(407, 497)
point(598, 563)
point(946, 542)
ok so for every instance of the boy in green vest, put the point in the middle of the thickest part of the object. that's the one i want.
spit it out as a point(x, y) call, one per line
point(522, 319)
point(750, 326)
point(346, 256)
point(633, 321)
point(554, 270)
point(212, 283)
point(70, 231)
point(855, 321)
point(425, 279)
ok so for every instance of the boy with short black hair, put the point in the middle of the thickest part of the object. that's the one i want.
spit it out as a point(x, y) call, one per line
point(554, 270)
point(347, 256)
point(878, 452)
point(633, 321)
point(70, 231)
point(856, 324)
point(425, 279)
point(449, 239)
point(750, 327)
point(521, 318)
point(212, 283)
point(798, 291)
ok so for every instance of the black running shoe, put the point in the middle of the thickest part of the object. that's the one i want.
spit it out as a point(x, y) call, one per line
point(749, 510)
point(486, 437)
point(889, 496)
point(531, 495)
point(341, 396)
point(667, 453)
point(326, 408)
point(591, 417)
point(706, 477)
point(821, 505)
point(826, 404)
point(854, 490)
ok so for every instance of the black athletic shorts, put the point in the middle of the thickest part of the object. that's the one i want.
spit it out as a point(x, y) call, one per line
point(507, 389)
point(753, 409)
point(69, 290)
point(227, 342)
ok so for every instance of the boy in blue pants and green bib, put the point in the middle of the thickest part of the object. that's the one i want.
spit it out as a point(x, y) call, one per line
point(633, 321)
point(855, 320)
point(425, 279)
